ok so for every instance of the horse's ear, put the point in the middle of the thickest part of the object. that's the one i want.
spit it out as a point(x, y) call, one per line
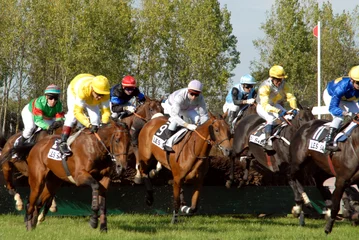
point(225, 114)
point(147, 98)
point(211, 133)
point(300, 106)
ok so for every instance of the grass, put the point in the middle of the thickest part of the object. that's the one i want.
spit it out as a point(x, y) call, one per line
point(144, 227)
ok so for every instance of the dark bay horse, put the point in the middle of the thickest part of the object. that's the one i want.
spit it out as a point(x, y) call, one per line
point(144, 112)
point(275, 161)
point(343, 164)
point(12, 165)
point(188, 163)
point(90, 164)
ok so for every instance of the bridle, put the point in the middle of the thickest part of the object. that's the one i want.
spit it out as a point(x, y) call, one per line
point(110, 152)
point(217, 144)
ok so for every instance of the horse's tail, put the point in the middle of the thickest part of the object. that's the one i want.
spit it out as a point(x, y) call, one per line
point(20, 151)
point(6, 156)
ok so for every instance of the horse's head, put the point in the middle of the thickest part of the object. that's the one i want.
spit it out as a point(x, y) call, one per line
point(149, 108)
point(220, 134)
point(304, 115)
point(119, 145)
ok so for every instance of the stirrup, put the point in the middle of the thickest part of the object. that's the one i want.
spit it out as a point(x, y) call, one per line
point(168, 148)
point(64, 149)
point(332, 148)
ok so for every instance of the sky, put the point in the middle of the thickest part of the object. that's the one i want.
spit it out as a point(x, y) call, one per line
point(247, 17)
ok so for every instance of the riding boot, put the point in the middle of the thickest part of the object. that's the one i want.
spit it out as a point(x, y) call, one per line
point(329, 140)
point(134, 139)
point(268, 142)
point(230, 117)
point(64, 148)
point(165, 146)
point(21, 141)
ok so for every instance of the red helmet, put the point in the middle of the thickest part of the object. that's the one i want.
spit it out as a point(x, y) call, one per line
point(129, 81)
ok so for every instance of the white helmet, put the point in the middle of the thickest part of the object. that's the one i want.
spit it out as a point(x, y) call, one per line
point(247, 79)
point(195, 85)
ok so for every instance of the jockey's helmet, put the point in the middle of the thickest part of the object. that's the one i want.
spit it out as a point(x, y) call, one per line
point(354, 73)
point(277, 72)
point(247, 79)
point(129, 81)
point(52, 90)
point(195, 85)
point(101, 85)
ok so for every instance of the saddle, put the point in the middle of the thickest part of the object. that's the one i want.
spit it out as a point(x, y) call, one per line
point(161, 137)
point(317, 142)
point(258, 135)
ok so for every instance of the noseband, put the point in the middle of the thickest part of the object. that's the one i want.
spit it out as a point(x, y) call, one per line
point(210, 141)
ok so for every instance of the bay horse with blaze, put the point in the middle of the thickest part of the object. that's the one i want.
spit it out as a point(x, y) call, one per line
point(189, 163)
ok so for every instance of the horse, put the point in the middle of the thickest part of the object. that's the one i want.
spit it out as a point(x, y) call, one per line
point(189, 161)
point(275, 161)
point(9, 166)
point(343, 164)
point(90, 164)
point(143, 113)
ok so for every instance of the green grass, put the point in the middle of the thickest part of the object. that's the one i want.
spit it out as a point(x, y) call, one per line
point(128, 226)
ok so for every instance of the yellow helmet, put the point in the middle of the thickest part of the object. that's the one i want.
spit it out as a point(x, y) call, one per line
point(277, 72)
point(101, 85)
point(354, 73)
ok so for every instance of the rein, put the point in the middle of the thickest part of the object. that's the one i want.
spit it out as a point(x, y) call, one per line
point(210, 141)
point(112, 155)
point(137, 115)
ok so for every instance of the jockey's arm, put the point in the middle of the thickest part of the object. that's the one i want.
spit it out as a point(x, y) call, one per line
point(264, 93)
point(290, 98)
point(105, 111)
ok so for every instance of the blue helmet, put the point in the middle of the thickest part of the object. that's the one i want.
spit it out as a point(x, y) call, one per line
point(247, 79)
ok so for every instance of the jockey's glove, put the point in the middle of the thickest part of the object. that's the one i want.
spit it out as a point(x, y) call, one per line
point(347, 114)
point(191, 127)
point(250, 101)
point(94, 129)
point(282, 113)
point(130, 109)
point(54, 126)
point(294, 112)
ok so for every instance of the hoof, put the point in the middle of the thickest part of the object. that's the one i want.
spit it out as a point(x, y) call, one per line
point(301, 219)
point(187, 210)
point(103, 228)
point(149, 201)
point(19, 207)
point(153, 173)
point(228, 184)
point(138, 180)
point(93, 222)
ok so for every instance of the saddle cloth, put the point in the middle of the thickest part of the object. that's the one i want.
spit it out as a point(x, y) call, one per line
point(317, 142)
point(258, 136)
point(160, 137)
point(54, 152)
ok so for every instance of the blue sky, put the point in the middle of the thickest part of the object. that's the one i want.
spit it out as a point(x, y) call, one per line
point(246, 18)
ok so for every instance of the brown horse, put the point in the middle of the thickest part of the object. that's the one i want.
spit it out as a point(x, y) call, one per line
point(144, 112)
point(189, 163)
point(90, 164)
point(343, 164)
point(13, 165)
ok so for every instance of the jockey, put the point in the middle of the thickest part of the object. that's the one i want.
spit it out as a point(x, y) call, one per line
point(44, 112)
point(241, 95)
point(271, 92)
point(86, 92)
point(186, 108)
point(121, 94)
point(341, 96)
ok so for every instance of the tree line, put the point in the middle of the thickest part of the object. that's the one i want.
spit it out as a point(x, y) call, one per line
point(164, 44)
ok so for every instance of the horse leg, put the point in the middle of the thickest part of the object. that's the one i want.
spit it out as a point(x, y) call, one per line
point(154, 172)
point(149, 190)
point(230, 181)
point(47, 197)
point(195, 198)
point(7, 169)
point(176, 198)
point(105, 182)
point(336, 197)
point(36, 187)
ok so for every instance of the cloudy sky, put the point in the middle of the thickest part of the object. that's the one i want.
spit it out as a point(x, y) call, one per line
point(246, 18)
